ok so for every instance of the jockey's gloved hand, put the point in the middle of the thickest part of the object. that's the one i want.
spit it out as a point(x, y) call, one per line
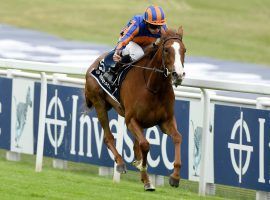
point(117, 56)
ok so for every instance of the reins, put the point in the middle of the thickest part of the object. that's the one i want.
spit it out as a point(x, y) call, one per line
point(147, 68)
point(166, 72)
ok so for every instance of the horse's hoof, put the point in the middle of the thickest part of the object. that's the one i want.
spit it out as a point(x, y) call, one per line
point(122, 169)
point(149, 187)
point(174, 182)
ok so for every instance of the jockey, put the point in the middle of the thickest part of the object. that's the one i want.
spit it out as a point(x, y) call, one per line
point(140, 32)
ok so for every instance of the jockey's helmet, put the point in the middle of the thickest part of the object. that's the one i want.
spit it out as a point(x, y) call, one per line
point(154, 15)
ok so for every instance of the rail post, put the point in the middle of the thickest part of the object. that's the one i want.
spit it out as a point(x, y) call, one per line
point(119, 145)
point(157, 180)
point(204, 187)
point(11, 155)
point(263, 103)
point(41, 127)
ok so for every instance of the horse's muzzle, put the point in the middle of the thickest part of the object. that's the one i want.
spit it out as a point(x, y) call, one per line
point(177, 79)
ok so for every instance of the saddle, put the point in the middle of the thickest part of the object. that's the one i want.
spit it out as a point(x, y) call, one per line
point(104, 66)
point(107, 62)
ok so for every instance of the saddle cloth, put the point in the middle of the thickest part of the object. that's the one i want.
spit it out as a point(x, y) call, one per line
point(112, 90)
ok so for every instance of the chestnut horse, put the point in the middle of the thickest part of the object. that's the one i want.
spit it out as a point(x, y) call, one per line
point(146, 99)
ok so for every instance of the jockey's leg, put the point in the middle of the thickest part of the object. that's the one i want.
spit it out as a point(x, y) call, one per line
point(112, 73)
point(170, 127)
point(108, 137)
point(134, 50)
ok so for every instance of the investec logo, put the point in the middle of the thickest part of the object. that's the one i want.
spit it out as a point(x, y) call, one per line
point(241, 167)
point(55, 123)
point(56, 126)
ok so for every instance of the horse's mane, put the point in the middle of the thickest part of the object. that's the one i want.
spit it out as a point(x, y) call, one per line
point(169, 33)
point(150, 52)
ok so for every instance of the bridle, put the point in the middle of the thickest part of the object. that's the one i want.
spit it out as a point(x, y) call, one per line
point(165, 71)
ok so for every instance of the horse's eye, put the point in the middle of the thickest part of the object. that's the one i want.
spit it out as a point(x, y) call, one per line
point(166, 50)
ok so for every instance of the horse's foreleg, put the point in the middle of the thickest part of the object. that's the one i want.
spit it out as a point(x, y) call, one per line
point(137, 150)
point(143, 149)
point(170, 127)
point(138, 155)
point(108, 137)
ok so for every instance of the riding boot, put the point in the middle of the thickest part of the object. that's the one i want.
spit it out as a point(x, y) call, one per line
point(112, 73)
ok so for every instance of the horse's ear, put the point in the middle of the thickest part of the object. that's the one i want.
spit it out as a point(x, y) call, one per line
point(180, 31)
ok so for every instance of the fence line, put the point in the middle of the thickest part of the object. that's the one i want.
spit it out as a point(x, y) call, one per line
point(191, 88)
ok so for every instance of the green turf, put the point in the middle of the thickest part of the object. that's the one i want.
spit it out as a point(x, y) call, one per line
point(79, 181)
point(235, 30)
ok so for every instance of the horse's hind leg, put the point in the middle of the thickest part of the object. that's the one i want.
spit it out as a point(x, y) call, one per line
point(144, 146)
point(108, 137)
point(170, 127)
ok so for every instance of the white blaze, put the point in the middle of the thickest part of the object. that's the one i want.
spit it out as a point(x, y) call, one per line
point(177, 59)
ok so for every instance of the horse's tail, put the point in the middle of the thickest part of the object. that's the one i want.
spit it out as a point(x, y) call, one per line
point(88, 103)
point(86, 107)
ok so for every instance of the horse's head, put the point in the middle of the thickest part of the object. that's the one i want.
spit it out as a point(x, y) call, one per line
point(173, 55)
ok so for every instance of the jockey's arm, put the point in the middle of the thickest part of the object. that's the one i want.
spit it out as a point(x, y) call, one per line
point(128, 36)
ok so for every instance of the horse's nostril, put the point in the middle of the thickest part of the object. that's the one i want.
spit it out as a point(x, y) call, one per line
point(174, 74)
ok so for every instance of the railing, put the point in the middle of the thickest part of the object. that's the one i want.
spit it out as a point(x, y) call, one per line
point(201, 90)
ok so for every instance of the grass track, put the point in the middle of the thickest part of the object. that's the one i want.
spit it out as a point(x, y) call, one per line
point(79, 181)
point(235, 30)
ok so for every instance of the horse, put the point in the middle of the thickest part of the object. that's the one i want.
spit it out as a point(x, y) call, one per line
point(146, 99)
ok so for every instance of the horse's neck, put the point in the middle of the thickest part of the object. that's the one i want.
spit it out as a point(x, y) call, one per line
point(156, 81)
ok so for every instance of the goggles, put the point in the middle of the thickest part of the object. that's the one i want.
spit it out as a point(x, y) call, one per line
point(154, 27)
